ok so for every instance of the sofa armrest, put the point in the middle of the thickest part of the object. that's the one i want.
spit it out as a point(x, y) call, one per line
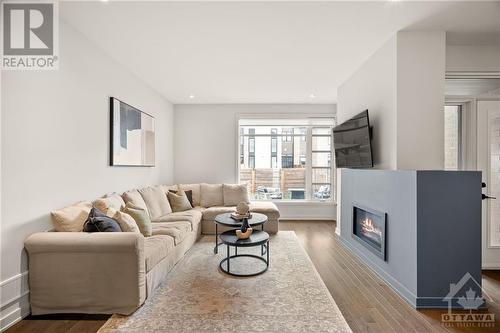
point(77, 272)
point(83, 242)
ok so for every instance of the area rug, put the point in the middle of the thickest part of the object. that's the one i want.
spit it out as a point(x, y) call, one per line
point(198, 297)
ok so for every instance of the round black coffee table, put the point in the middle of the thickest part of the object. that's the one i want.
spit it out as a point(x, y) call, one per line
point(257, 238)
point(227, 221)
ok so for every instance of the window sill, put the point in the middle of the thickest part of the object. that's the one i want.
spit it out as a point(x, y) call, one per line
point(301, 202)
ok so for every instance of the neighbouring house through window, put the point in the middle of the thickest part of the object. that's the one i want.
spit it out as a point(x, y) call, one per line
point(287, 159)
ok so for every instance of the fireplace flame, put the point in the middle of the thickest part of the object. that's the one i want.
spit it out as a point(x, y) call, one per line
point(368, 226)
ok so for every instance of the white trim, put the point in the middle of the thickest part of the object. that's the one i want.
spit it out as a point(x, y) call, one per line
point(15, 298)
point(471, 75)
point(13, 278)
point(490, 266)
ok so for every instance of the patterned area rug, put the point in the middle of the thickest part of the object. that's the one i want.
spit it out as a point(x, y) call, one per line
point(198, 297)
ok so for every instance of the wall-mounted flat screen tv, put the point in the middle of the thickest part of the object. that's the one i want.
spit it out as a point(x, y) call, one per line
point(352, 142)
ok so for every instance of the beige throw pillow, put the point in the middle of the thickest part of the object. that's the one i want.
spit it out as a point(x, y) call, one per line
point(179, 201)
point(141, 217)
point(135, 198)
point(126, 222)
point(195, 188)
point(235, 193)
point(211, 195)
point(71, 218)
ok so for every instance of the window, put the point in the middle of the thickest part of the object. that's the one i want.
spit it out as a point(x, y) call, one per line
point(288, 159)
point(452, 137)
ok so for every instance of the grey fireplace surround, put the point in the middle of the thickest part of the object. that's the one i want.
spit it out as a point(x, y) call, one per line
point(433, 229)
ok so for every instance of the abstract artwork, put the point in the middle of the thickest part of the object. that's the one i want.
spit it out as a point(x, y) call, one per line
point(132, 135)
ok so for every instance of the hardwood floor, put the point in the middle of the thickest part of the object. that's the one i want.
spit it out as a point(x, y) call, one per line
point(366, 302)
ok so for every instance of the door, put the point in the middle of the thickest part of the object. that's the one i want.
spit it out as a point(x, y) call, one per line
point(488, 161)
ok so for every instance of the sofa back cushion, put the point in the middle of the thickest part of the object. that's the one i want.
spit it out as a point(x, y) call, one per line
point(135, 198)
point(112, 200)
point(167, 188)
point(211, 195)
point(141, 218)
point(235, 193)
point(156, 201)
point(196, 189)
point(71, 218)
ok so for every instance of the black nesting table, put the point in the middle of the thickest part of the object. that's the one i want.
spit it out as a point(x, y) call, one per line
point(226, 220)
point(257, 238)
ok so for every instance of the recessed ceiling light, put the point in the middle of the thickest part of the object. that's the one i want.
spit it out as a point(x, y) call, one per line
point(191, 96)
point(312, 96)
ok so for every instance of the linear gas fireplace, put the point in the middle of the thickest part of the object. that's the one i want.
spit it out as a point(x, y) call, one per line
point(369, 228)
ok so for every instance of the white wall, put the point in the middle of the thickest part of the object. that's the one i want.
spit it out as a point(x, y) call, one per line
point(206, 146)
point(373, 87)
point(402, 86)
point(420, 99)
point(55, 147)
point(474, 58)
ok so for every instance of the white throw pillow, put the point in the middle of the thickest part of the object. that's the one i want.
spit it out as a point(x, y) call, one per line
point(71, 218)
point(211, 195)
point(235, 193)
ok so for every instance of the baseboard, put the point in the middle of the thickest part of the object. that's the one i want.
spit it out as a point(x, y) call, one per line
point(14, 300)
point(490, 266)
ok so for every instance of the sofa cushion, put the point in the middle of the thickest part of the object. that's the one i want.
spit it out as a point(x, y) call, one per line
point(211, 195)
point(179, 201)
point(210, 213)
point(71, 218)
point(156, 248)
point(178, 230)
point(135, 198)
point(156, 201)
point(112, 200)
point(234, 194)
point(196, 192)
point(140, 217)
point(126, 222)
point(265, 207)
point(192, 216)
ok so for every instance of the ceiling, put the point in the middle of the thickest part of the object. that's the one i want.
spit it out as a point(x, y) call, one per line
point(261, 52)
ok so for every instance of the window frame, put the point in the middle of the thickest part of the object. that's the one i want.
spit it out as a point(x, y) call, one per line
point(331, 119)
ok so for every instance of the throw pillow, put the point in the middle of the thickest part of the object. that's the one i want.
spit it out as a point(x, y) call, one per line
point(234, 194)
point(155, 200)
point(141, 217)
point(189, 195)
point(179, 202)
point(113, 200)
point(97, 221)
point(196, 192)
point(126, 222)
point(71, 218)
point(211, 195)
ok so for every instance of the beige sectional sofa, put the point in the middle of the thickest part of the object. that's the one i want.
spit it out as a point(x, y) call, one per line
point(78, 272)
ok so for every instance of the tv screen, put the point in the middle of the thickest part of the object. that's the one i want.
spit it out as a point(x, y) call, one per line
point(351, 141)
